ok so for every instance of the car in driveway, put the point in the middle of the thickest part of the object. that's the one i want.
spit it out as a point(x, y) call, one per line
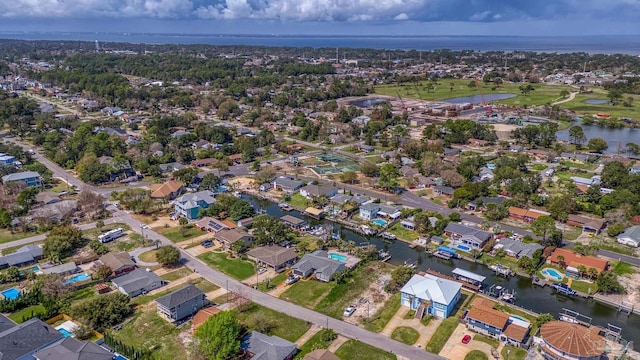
point(262, 270)
point(349, 311)
point(292, 279)
point(466, 339)
point(207, 243)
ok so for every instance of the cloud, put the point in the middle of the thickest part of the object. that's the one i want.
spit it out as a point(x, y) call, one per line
point(401, 16)
point(95, 8)
point(480, 16)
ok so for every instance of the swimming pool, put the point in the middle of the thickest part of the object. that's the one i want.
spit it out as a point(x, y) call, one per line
point(518, 318)
point(119, 357)
point(35, 268)
point(380, 222)
point(463, 248)
point(65, 332)
point(11, 294)
point(552, 273)
point(76, 278)
point(338, 257)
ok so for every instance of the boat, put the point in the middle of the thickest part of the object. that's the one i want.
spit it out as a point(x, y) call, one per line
point(285, 207)
point(410, 265)
point(508, 296)
point(443, 255)
point(366, 230)
point(501, 270)
point(237, 194)
point(569, 319)
point(564, 289)
point(388, 236)
point(383, 255)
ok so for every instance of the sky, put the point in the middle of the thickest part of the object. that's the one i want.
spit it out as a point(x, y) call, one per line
point(327, 17)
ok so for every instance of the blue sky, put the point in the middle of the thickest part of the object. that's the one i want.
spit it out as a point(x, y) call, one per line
point(355, 17)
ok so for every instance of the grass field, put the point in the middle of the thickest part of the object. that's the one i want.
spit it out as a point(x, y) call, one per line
point(623, 268)
point(306, 293)
point(34, 309)
point(580, 106)
point(148, 256)
point(405, 335)
point(282, 325)
point(382, 317)
point(487, 340)
point(476, 355)
point(314, 343)
point(543, 94)
point(298, 201)
point(272, 283)
point(175, 233)
point(177, 274)
point(355, 350)
point(6, 235)
point(403, 233)
point(236, 267)
point(514, 353)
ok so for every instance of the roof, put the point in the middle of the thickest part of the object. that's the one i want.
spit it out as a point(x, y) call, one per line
point(232, 235)
point(370, 206)
point(429, 287)
point(166, 189)
point(517, 248)
point(631, 233)
point(292, 220)
point(25, 338)
point(180, 296)
point(463, 230)
point(117, 260)
point(572, 339)
point(314, 211)
point(515, 332)
point(208, 222)
point(273, 255)
point(6, 323)
point(136, 280)
point(320, 354)
point(489, 316)
point(341, 198)
point(72, 349)
point(20, 176)
point(47, 197)
point(389, 209)
point(266, 347)
point(468, 274)
point(23, 255)
point(203, 315)
point(55, 211)
point(191, 200)
point(444, 189)
point(318, 190)
point(207, 161)
point(320, 262)
point(288, 183)
point(482, 301)
point(491, 199)
point(60, 269)
point(574, 260)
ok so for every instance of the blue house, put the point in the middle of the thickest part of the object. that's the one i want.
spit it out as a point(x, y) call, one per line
point(431, 294)
point(29, 178)
point(189, 205)
point(6, 159)
point(369, 211)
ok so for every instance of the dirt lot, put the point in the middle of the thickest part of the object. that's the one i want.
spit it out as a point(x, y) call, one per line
point(377, 297)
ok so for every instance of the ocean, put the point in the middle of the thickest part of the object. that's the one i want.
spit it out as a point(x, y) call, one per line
point(589, 44)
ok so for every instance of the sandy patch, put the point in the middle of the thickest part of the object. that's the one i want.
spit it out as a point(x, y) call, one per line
point(376, 297)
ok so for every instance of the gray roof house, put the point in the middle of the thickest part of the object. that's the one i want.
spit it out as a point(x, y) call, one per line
point(310, 191)
point(23, 256)
point(138, 282)
point(181, 303)
point(517, 249)
point(443, 190)
point(318, 263)
point(286, 184)
point(66, 268)
point(471, 236)
point(170, 167)
point(72, 349)
point(21, 341)
point(29, 178)
point(630, 237)
point(6, 323)
point(264, 347)
point(276, 257)
point(189, 205)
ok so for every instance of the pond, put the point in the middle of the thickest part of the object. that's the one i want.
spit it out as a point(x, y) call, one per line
point(365, 103)
point(597, 101)
point(620, 136)
point(477, 99)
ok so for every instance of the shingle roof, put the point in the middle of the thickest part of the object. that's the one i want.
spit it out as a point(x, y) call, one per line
point(631, 233)
point(6, 323)
point(273, 255)
point(320, 262)
point(165, 189)
point(429, 287)
point(180, 296)
point(191, 200)
point(575, 260)
point(515, 332)
point(117, 260)
point(517, 248)
point(288, 183)
point(321, 354)
point(267, 347)
point(72, 349)
point(60, 269)
point(467, 231)
point(231, 236)
point(20, 176)
point(25, 338)
point(136, 280)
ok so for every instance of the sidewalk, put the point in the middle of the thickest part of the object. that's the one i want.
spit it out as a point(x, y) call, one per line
point(306, 336)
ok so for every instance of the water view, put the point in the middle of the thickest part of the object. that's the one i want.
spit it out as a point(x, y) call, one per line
point(477, 99)
point(366, 102)
point(597, 101)
point(614, 137)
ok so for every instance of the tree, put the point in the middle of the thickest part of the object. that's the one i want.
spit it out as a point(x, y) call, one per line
point(608, 283)
point(399, 277)
point(544, 318)
point(12, 274)
point(103, 272)
point(452, 178)
point(388, 176)
point(241, 209)
point(103, 311)
point(90, 202)
point(209, 181)
point(183, 221)
point(564, 93)
point(168, 256)
point(576, 135)
point(543, 226)
point(137, 200)
point(614, 96)
point(597, 144)
point(185, 175)
point(455, 217)
point(54, 287)
point(99, 224)
point(95, 173)
point(369, 169)
point(61, 241)
point(615, 229)
point(265, 175)
point(560, 206)
point(219, 337)
point(582, 270)
point(349, 177)
point(269, 230)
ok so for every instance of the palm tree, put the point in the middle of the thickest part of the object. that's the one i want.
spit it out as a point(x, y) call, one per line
point(593, 272)
point(561, 261)
point(582, 270)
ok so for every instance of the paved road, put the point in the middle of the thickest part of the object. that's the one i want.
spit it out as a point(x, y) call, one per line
point(572, 96)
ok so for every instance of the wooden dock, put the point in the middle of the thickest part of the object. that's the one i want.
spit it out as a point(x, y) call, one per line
point(465, 284)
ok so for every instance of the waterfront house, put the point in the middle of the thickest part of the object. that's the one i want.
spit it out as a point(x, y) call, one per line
point(293, 222)
point(484, 319)
point(318, 263)
point(472, 237)
point(138, 282)
point(431, 294)
point(309, 191)
point(525, 215)
point(168, 190)
point(181, 303)
point(571, 260)
point(120, 263)
point(29, 178)
point(517, 249)
point(210, 224)
point(630, 237)
point(231, 236)
point(189, 205)
point(258, 346)
point(369, 211)
point(273, 256)
point(388, 211)
point(287, 185)
point(569, 341)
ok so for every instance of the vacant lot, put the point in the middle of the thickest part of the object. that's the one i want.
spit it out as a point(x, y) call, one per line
point(279, 324)
point(178, 234)
point(355, 350)
point(234, 267)
point(306, 293)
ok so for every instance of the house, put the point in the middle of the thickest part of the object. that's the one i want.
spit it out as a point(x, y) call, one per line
point(569, 341)
point(635, 169)
point(484, 319)
point(71, 349)
point(201, 144)
point(431, 294)
point(525, 215)
point(287, 184)
point(367, 149)
point(483, 201)
point(586, 223)
point(318, 263)
point(293, 222)
point(120, 263)
point(29, 178)
point(259, 346)
point(189, 205)
point(6, 323)
point(361, 120)
point(408, 171)
point(231, 236)
point(204, 162)
point(443, 190)
point(594, 180)
point(55, 212)
point(179, 133)
point(210, 224)
point(25, 255)
point(21, 341)
point(138, 282)
point(181, 303)
point(630, 237)
point(245, 223)
point(120, 169)
point(389, 211)
point(320, 354)
point(63, 269)
point(236, 158)
point(309, 191)
point(168, 190)
point(485, 174)
point(7, 160)
point(517, 249)
point(470, 236)
point(572, 261)
point(369, 211)
point(170, 167)
point(47, 197)
point(273, 256)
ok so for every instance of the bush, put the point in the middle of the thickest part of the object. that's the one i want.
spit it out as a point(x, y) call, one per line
point(168, 256)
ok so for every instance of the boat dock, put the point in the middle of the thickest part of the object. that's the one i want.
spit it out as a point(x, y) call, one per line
point(469, 277)
point(465, 285)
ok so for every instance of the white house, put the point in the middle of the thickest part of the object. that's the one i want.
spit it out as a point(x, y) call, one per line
point(630, 237)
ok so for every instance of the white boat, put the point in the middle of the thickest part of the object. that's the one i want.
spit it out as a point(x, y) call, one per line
point(388, 236)
point(568, 319)
point(285, 207)
point(367, 230)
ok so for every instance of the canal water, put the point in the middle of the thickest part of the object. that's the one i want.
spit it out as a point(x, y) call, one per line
point(528, 296)
point(613, 137)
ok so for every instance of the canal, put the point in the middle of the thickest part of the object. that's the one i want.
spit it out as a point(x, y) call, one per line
point(528, 296)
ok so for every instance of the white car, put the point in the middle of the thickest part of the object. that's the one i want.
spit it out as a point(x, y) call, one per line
point(262, 270)
point(349, 311)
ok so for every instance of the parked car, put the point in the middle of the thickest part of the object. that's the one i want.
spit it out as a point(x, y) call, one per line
point(207, 243)
point(292, 279)
point(262, 270)
point(349, 311)
point(466, 339)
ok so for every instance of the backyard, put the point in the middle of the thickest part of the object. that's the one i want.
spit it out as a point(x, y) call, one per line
point(306, 292)
point(234, 267)
point(398, 230)
point(315, 342)
point(27, 312)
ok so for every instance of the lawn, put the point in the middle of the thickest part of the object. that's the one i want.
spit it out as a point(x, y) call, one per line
point(314, 343)
point(177, 274)
point(382, 317)
point(148, 256)
point(623, 268)
point(403, 233)
point(298, 200)
point(159, 335)
point(581, 166)
point(272, 283)
point(92, 234)
point(175, 234)
point(514, 353)
point(487, 340)
point(282, 325)
point(236, 267)
point(476, 355)
point(82, 294)
point(306, 293)
point(447, 326)
point(356, 350)
point(539, 167)
point(582, 286)
point(405, 335)
point(28, 311)
point(580, 106)
point(6, 236)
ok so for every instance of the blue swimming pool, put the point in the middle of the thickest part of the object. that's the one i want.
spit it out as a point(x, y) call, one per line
point(119, 357)
point(11, 294)
point(380, 222)
point(65, 333)
point(463, 248)
point(76, 278)
point(552, 273)
point(35, 268)
point(518, 318)
point(338, 257)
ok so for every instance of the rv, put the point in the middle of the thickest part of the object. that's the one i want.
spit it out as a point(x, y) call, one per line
point(111, 235)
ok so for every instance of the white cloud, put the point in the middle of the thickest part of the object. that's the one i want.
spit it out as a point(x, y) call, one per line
point(497, 17)
point(479, 16)
point(94, 8)
point(401, 16)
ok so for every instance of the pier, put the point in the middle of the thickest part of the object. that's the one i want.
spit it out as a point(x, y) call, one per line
point(465, 284)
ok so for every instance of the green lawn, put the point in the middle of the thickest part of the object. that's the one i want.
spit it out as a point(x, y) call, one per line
point(177, 274)
point(272, 283)
point(6, 236)
point(235, 267)
point(448, 325)
point(623, 268)
point(159, 335)
point(34, 309)
point(175, 233)
point(148, 256)
point(282, 325)
point(355, 350)
point(487, 340)
point(380, 319)
point(82, 294)
point(581, 166)
point(582, 286)
point(314, 343)
point(539, 167)
point(298, 201)
point(306, 293)
point(580, 106)
point(403, 233)
point(514, 353)
point(405, 335)
point(476, 355)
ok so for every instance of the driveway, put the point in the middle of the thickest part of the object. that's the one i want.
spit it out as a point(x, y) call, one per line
point(136, 253)
point(454, 349)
